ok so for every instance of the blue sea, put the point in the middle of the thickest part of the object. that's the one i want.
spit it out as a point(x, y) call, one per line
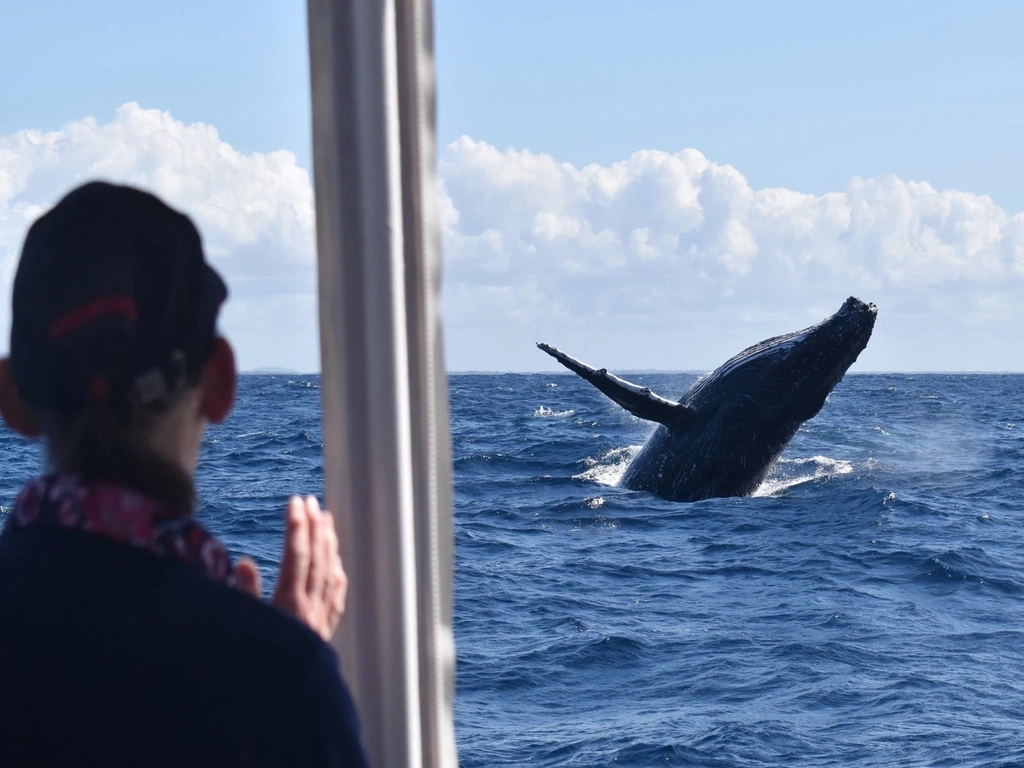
point(864, 608)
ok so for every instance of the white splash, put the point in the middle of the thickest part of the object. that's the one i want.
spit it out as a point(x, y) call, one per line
point(788, 473)
point(550, 413)
point(608, 468)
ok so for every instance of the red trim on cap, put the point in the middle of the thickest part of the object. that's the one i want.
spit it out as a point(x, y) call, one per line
point(117, 304)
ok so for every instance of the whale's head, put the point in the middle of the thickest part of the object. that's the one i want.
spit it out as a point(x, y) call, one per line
point(820, 359)
point(790, 376)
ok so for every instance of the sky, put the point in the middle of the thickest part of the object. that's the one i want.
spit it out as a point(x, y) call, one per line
point(652, 185)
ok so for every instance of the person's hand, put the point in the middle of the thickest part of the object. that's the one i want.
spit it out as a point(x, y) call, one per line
point(312, 584)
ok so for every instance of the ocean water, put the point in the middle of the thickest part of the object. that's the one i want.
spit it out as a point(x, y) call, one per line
point(864, 608)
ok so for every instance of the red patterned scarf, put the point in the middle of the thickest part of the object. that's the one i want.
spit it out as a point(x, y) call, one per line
point(118, 513)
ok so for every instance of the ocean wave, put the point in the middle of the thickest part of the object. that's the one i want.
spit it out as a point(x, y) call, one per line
point(608, 467)
point(610, 649)
point(787, 473)
point(543, 412)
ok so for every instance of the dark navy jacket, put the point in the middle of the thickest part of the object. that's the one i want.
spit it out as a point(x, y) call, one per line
point(111, 655)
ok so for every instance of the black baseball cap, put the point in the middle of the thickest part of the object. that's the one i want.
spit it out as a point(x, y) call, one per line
point(113, 302)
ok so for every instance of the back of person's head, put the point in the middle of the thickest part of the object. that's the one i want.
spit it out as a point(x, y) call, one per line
point(113, 319)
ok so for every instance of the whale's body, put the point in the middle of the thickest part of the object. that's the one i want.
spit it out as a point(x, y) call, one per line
point(723, 435)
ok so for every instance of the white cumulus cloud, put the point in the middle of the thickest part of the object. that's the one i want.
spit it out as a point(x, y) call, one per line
point(664, 242)
point(255, 211)
point(661, 260)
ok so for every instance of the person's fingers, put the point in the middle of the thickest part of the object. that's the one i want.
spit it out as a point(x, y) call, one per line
point(247, 577)
point(331, 559)
point(342, 587)
point(295, 564)
point(336, 600)
point(312, 584)
point(318, 564)
point(337, 583)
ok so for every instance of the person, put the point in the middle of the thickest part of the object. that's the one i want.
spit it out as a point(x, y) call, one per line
point(127, 635)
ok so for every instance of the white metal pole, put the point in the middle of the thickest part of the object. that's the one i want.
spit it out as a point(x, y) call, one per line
point(386, 441)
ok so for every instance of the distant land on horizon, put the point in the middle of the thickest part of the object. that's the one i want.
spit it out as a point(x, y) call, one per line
point(273, 370)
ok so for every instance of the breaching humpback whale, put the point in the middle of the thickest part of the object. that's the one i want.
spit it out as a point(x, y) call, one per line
point(724, 434)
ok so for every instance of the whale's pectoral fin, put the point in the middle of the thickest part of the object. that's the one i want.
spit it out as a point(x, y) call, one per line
point(640, 401)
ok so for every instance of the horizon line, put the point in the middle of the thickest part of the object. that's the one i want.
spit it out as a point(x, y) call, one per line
point(263, 371)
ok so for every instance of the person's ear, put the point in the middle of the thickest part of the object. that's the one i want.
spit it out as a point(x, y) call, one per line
point(12, 407)
point(219, 380)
